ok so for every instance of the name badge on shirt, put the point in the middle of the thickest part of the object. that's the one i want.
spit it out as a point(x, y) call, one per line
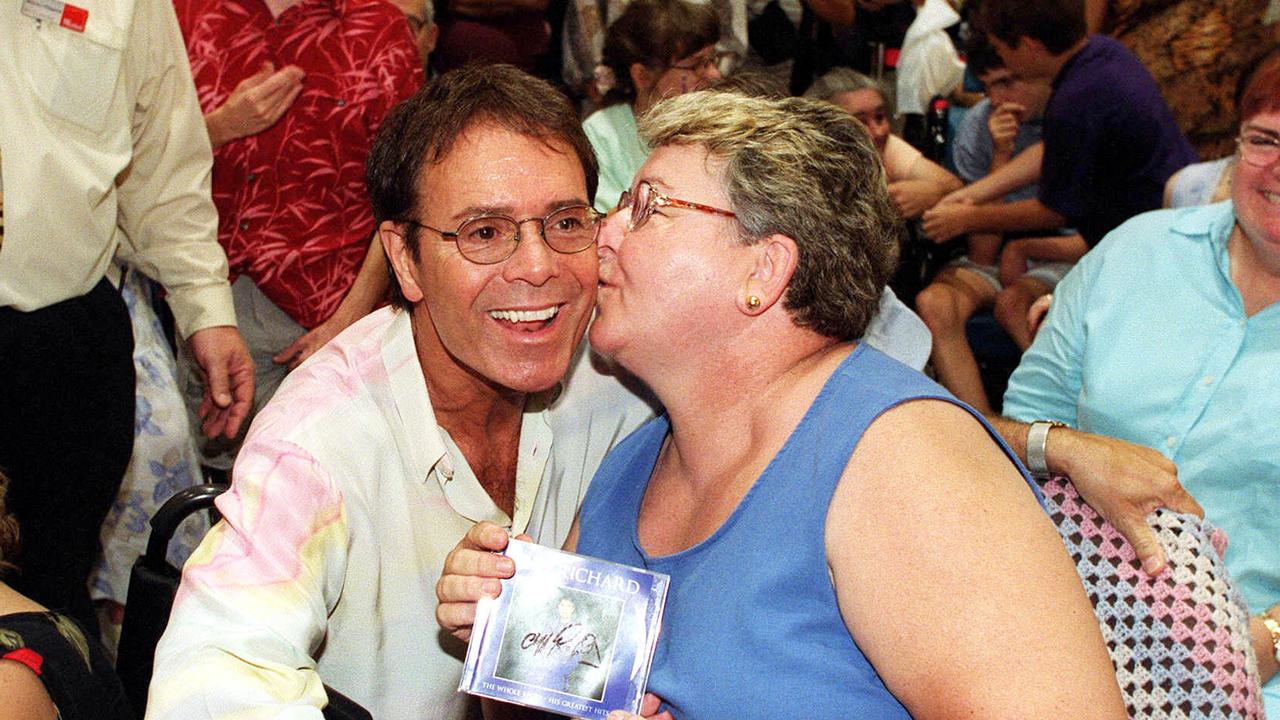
point(65, 14)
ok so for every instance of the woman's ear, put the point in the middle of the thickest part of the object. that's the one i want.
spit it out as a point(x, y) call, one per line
point(400, 257)
point(775, 263)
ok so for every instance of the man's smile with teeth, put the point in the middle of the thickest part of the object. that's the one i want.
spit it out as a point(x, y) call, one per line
point(517, 316)
point(1271, 197)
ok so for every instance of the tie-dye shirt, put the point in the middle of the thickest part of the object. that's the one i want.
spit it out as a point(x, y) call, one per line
point(347, 497)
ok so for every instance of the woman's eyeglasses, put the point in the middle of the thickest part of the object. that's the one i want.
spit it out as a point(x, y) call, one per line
point(1258, 149)
point(644, 200)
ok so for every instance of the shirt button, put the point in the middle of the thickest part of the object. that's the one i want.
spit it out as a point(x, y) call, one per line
point(1208, 380)
point(1170, 442)
point(251, 177)
point(341, 102)
point(244, 224)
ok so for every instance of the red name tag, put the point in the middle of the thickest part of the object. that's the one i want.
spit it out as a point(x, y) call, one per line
point(73, 18)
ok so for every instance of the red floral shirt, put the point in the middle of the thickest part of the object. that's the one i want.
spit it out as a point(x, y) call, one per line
point(292, 210)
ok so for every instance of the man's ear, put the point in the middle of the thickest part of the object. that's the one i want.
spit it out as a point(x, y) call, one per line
point(1032, 44)
point(776, 257)
point(391, 235)
point(429, 46)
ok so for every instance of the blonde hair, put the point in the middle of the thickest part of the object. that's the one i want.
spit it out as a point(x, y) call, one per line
point(807, 170)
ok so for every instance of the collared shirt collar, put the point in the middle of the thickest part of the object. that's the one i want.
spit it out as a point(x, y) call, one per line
point(1215, 223)
point(434, 455)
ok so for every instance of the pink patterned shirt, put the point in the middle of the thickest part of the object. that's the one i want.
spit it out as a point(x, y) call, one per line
point(291, 200)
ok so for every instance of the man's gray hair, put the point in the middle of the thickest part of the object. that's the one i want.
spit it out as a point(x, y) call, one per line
point(807, 170)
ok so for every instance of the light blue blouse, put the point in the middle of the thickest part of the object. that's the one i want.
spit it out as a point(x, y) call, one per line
point(1147, 341)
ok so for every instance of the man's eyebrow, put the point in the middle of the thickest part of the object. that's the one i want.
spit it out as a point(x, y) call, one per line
point(509, 210)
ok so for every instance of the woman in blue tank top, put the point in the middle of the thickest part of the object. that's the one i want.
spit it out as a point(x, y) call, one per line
point(844, 539)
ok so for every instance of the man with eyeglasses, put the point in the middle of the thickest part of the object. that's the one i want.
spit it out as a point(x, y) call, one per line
point(473, 398)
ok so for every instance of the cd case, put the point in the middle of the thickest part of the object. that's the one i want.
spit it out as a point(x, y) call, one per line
point(570, 634)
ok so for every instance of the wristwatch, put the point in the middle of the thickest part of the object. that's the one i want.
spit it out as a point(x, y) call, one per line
point(1273, 627)
point(1037, 435)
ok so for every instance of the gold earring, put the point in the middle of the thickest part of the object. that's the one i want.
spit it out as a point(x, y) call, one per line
point(753, 302)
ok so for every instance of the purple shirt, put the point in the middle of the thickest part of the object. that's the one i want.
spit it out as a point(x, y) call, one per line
point(1110, 141)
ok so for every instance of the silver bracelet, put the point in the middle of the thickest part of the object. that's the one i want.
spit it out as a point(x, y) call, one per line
point(1037, 435)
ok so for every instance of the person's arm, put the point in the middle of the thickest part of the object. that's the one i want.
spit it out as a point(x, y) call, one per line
point(989, 618)
point(1017, 254)
point(255, 105)
point(1263, 646)
point(369, 289)
point(1021, 171)
point(24, 695)
point(256, 595)
point(1122, 481)
point(945, 221)
point(168, 218)
point(923, 185)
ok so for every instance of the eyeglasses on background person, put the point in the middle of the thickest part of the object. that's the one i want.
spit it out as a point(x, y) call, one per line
point(1257, 148)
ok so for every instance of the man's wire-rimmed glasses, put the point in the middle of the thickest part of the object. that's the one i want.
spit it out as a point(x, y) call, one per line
point(1258, 148)
point(644, 200)
point(490, 239)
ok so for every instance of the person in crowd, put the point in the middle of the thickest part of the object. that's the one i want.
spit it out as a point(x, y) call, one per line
point(422, 23)
point(104, 155)
point(586, 23)
point(800, 483)
point(49, 668)
point(293, 92)
point(1110, 141)
point(164, 460)
point(916, 183)
point(991, 135)
point(1158, 359)
point(1210, 181)
point(1201, 183)
point(654, 50)
point(451, 407)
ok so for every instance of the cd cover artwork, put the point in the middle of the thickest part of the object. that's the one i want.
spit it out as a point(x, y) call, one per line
point(570, 634)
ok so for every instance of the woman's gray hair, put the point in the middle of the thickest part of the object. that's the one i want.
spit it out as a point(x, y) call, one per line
point(807, 170)
point(844, 80)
